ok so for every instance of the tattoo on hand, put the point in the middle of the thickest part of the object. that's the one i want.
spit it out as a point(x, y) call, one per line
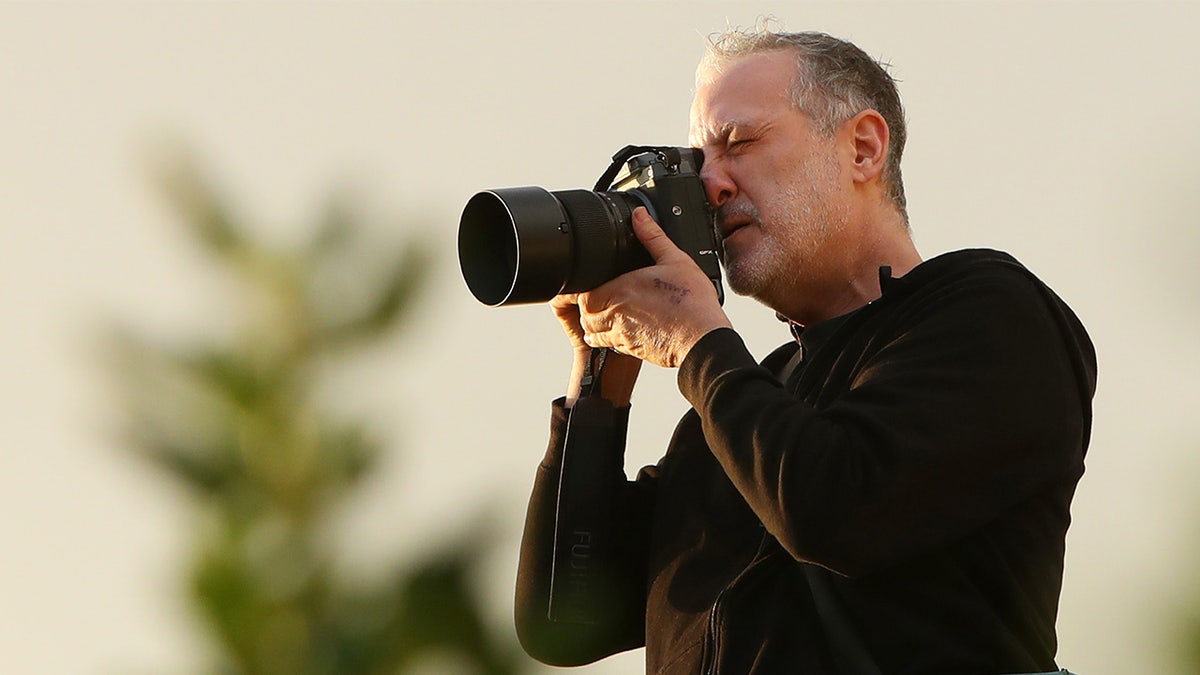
point(678, 293)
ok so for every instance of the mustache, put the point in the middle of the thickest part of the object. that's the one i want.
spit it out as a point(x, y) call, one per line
point(739, 210)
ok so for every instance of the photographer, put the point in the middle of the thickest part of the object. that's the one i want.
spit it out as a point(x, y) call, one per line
point(889, 492)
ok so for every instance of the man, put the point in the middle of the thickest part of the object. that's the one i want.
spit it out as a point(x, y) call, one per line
point(890, 491)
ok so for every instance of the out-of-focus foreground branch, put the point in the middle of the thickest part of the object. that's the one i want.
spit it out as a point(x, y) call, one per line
point(235, 420)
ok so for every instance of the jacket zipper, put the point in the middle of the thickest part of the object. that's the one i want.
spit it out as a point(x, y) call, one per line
point(712, 646)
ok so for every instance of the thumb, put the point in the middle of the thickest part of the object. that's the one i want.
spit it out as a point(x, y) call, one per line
point(657, 243)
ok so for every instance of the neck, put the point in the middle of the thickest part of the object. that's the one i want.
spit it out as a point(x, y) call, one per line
point(855, 282)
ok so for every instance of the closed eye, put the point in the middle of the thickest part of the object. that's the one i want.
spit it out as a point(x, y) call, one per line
point(737, 145)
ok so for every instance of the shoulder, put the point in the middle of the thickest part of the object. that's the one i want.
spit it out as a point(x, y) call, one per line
point(989, 299)
point(972, 281)
point(966, 266)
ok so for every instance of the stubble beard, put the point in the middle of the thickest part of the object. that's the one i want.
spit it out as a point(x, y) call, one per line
point(802, 219)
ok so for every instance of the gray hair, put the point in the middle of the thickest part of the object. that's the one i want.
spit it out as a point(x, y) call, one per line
point(835, 80)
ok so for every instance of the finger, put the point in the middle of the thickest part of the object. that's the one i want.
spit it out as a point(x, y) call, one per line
point(657, 243)
point(601, 339)
point(595, 335)
point(598, 327)
point(594, 321)
point(564, 300)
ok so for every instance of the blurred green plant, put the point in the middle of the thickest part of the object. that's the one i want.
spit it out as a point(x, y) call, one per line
point(236, 421)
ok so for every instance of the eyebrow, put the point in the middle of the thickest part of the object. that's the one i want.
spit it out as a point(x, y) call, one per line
point(709, 136)
point(721, 134)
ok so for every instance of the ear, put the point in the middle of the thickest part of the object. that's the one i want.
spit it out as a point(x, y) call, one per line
point(869, 134)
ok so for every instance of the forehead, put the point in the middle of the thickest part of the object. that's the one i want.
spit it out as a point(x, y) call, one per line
point(745, 91)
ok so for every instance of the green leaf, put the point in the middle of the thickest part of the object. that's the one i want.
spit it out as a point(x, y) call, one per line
point(234, 377)
point(336, 227)
point(203, 210)
point(388, 305)
point(348, 451)
point(208, 470)
point(225, 592)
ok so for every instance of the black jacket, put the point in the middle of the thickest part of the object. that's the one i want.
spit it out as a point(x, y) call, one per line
point(921, 461)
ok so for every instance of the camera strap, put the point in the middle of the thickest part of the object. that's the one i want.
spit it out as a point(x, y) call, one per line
point(618, 162)
point(580, 582)
point(589, 383)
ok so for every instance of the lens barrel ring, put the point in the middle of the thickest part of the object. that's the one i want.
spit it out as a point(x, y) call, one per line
point(594, 217)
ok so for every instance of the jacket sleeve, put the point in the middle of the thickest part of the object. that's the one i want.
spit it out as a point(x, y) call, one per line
point(617, 604)
point(947, 421)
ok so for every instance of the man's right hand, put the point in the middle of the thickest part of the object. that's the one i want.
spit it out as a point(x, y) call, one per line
point(620, 371)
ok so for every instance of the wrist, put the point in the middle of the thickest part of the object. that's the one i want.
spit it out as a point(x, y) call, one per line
point(617, 377)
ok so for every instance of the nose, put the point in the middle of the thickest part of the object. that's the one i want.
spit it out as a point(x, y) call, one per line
point(718, 186)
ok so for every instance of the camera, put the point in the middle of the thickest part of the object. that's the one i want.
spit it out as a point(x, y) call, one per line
point(528, 244)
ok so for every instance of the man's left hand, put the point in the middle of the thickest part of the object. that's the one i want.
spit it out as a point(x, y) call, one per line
point(655, 313)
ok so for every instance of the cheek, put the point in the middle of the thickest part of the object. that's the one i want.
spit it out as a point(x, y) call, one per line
point(771, 174)
point(755, 184)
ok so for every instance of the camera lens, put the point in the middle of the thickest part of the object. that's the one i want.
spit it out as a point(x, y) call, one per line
point(527, 244)
point(513, 244)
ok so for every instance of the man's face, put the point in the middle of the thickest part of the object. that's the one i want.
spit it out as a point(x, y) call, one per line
point(774, 180)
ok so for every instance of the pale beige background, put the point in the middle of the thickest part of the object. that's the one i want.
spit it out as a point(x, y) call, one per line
point(1066, 133)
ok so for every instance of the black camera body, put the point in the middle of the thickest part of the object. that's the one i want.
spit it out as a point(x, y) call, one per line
point(527, 244)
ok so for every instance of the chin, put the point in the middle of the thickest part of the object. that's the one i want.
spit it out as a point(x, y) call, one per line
point(741, 281)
